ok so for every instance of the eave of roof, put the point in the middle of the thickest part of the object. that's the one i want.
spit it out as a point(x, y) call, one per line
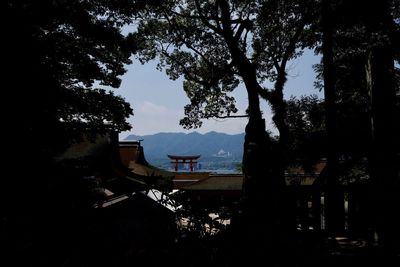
point(223, 183)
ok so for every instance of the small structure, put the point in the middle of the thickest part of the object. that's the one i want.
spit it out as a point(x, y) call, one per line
point(182, 179)
point(215, 190)
point(183, 159)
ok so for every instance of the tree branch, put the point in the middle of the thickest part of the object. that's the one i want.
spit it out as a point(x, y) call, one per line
point(292, 44)
point(184, 69)
point(266, 94)
point(205, 19)
point(183, 40)
point(232, 116)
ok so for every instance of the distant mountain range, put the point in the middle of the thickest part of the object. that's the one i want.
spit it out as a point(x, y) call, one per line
point(217, 150)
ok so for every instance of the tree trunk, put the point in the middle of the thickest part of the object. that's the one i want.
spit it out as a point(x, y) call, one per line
point(384, 155)
point(384, 162)
point(334, 201)
point(261, 227)
point(256, 166)
point(260, 224)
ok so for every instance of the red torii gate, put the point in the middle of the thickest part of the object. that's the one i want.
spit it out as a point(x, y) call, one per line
point(184, 159)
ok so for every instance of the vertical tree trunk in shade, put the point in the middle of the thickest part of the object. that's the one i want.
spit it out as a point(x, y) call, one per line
point(262, 224)
point(384, 162)
point(257, 164)
point(384, 158)
point(334, 200)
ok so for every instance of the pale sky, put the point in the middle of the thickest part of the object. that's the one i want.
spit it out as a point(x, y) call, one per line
point(158, 102)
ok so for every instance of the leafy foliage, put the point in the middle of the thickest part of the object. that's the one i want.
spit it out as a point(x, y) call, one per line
point(354, 36)
point(57, 52)
point(187, 47)
point(195, 220)
point(279, 34)
point(93, 110)
point(306, 121)
point(215, 45)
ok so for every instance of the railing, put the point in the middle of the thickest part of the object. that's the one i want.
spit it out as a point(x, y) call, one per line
point(310, 206)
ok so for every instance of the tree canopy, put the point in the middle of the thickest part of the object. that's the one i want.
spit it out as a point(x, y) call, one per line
point(215, 45)
point(58, 53)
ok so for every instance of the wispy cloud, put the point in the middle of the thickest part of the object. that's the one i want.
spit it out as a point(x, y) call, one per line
point(149, 108)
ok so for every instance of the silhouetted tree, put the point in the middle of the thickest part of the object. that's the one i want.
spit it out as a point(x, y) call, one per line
point(306, 122)
point(55, 55)
point(384, 35)
point(55, 52)
point(214, 46)
point(365, 35)
point(334, 207)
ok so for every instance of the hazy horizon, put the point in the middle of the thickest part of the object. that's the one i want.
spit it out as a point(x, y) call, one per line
point(123, 136)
